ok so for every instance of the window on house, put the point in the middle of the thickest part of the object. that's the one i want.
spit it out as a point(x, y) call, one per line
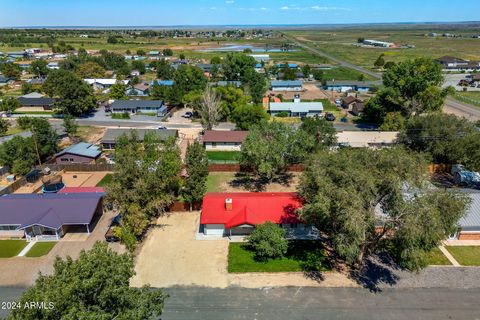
point(293, 225)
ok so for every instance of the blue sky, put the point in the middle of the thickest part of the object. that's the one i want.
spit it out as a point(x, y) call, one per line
point(224, 12)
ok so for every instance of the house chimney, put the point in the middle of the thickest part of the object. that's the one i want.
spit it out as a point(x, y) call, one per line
point(296, 98)
point(229, 204)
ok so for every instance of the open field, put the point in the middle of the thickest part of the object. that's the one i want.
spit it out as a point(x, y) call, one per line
point(340, 42)
point(301, 256)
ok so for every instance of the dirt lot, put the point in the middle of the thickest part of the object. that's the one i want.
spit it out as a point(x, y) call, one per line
point(171, 256)
point(82, 179)
point(311, 92)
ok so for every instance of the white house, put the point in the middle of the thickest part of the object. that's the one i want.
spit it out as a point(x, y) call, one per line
point(223, 140)
point(297, 108)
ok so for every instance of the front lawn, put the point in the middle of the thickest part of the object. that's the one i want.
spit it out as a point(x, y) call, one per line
point(11, 248)
point(466, 255)
point(121, 116)
point(105, 180)
point(223, 156)
point(437, 258)
point(40, 249)
point(301, 256)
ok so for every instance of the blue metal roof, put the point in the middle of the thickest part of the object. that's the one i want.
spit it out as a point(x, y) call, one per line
point(293, 83)
point(82, 149)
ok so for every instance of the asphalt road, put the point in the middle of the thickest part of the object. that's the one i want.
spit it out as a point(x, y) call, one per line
point(334, 59)
point(462, 109)
point(311, 303)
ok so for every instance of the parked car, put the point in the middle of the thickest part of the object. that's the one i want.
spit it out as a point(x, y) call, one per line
point(338, 102)
point(188, 115)
point(330, 117)
point(162, 128)
point(110, 235)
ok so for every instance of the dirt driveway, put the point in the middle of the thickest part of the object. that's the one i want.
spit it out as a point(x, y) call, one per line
point(171, 256)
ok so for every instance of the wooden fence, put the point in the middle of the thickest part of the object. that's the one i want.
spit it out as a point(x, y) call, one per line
point(80, 167)
point(180, 206)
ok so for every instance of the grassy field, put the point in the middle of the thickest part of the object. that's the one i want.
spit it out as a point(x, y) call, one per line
point(340, 42)
point(470, 97)
point(342, 73)
point(12, 130)
point(216, 179)
point(301, 256)
point(40, 249)
point(106, 180)
point(223, 156)
point(120, 116)
point(437, 258)
point(11, 248)
point(466, 255)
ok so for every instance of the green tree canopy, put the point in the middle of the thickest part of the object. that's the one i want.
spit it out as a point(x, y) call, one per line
point(247, 115)
point(95, 286)
point(90, 70)
point(447, 138)
point(4, 125)
point(323, 131)
point(9, 104)
point(369, 201)
point(268, 241)
point(187, 78)
point(164, 70)
point(270, 147)
point(75, 96)
point(39, 67)
point(196, 162)
point(118, 91)
point(412, 87)
point(145, 182)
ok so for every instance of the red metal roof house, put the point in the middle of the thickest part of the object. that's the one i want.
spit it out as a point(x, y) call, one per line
point(239, 213)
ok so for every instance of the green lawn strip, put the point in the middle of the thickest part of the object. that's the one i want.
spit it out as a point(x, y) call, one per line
point(301, 256)
point(437, 258)
point(472, 97)
point(120, 116)
point(230, 156)
point(215, 179)
point(466, 255)
point(11, 248)
point(40, 249)
point(105, 180)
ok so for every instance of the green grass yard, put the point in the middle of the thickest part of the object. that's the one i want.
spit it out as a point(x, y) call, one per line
point(466, 255)
point(301, 256)
point(216, 179)
point(11, 248)
point(437, 258)
point(223, 156)
point(40, 249)
point(106, 180)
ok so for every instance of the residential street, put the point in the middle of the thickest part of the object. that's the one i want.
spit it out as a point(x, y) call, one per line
point(462, 109)
point(189, 303)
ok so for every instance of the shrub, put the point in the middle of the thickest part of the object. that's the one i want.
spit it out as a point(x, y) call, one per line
point(268, 241)
point(283, 114)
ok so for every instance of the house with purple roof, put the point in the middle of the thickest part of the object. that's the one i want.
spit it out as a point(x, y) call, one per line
point(48, 216)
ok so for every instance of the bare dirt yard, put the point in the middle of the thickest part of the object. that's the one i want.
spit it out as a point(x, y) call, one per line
point(243, 182)
point(83, 179)
point(170, 256)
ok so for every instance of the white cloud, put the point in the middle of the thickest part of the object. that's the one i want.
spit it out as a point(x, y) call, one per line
point(314, 8)
point(229, 1)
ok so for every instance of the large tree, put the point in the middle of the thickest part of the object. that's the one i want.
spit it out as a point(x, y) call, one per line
point(187, 78)
point(39, 68)
point(235, 66)
point(447, 138)
point(90, 69)
point(75, 96)
point(164, 70)
point(118, 91)
point(95, 286)
point(323, 131)
point(412, 87)
point(247, 115)
point(4, 125)
point(209, 108)
point(270, 147)
point(196, 162)
point(145, 182)
point(9, 104)
point(369, 201)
